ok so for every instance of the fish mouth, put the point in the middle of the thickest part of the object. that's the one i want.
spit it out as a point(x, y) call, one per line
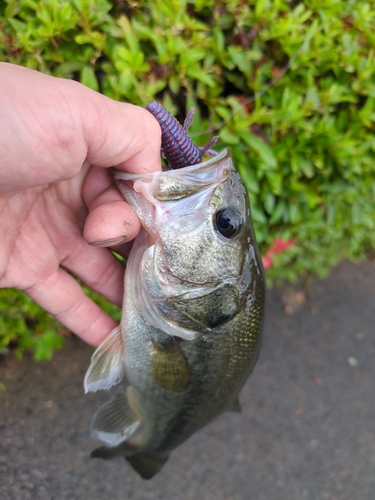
point(160, 197)
point(201, 173)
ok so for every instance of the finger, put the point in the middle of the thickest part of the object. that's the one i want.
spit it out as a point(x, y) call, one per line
point(97, 181)
point(122, 135)
point(100, 270)
point(111, 224)
point(41, 141)
point(75, 124)
point(62, 296)
point(111, 220)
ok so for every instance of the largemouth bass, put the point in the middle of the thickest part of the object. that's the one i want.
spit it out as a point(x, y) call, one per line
point(192, 313)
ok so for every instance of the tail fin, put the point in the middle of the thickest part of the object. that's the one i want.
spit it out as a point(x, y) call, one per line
point(146, 465)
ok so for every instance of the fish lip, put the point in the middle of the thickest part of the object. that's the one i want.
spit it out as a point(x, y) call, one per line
point(126, 176)
point(154, 212)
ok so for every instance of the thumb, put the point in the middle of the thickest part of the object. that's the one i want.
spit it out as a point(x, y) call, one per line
point(121, 135)
point(51, 126)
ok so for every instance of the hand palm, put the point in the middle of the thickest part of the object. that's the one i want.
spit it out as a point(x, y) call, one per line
point(52, 202)
point(56, 213)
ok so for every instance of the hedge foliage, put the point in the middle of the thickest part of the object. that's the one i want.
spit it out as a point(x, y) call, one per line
point(305, 147)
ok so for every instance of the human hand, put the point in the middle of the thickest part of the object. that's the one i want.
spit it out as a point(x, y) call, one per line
point(55, 196)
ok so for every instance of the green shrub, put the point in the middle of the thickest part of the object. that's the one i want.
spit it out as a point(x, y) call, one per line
point(24, 325)
point(305, 147)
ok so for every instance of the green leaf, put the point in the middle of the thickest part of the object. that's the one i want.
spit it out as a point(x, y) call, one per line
point(197, 73)
point(262, 6)
point(47, 343)
point(192, 56)
point(227, 137)
point(249, 178)
point(174, 83)
point(67, 69)
point(269, 202)
point(260, 147)
point(12, 9)
point(279, 212)
point(295, 214)
point(240, 59)
point(88, 78)
point(218, 40)
point(258, 214)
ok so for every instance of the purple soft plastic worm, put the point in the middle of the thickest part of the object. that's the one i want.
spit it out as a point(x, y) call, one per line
point(177, 147)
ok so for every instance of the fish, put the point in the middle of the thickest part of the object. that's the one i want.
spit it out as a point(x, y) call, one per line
point(190, 332)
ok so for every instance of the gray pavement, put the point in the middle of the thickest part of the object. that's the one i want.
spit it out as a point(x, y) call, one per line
point(306, 431)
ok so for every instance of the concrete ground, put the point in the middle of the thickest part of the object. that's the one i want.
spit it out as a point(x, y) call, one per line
point(306, 431)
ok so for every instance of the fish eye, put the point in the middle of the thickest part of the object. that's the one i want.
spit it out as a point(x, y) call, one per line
point(228, 221)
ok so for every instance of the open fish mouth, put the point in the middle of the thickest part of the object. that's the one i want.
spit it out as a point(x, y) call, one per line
point(175, 197)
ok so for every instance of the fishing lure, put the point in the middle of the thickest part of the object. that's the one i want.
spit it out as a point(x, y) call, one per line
point(177, 147)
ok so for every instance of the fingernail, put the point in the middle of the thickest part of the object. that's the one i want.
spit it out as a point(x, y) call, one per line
point(107, 243)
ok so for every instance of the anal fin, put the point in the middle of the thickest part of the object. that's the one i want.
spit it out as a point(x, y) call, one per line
point(116, 422)
point(107, 363)
point(146, 465)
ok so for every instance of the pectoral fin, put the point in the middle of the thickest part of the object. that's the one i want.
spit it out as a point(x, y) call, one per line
point(146, 465)
point(169, 366)
point(107, 363)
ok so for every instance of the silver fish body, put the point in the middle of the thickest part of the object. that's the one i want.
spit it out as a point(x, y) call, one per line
point(192, 313)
